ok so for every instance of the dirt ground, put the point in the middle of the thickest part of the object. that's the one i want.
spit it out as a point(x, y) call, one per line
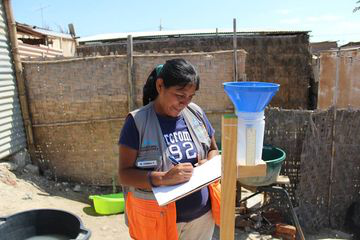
point(25, 191)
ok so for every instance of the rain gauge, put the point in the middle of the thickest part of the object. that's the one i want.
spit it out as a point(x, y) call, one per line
point(250, 100)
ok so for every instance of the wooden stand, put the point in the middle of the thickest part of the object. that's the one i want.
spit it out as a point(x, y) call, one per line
point(230, 172)
point(228, 178)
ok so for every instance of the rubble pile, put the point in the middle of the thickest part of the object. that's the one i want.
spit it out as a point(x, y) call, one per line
point(263, 223)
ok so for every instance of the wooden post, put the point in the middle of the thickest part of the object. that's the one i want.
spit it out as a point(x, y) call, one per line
point(130, 68)
point(228, 177)
point(333, 133)
point(235, 52)
point(20, 81)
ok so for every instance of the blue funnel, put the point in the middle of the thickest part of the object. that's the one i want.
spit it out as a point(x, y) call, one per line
point(250, 96)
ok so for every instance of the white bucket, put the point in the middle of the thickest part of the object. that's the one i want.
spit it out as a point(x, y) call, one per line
point(250, 137)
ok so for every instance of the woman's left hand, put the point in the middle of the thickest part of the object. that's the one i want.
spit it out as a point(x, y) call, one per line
point(200, 161)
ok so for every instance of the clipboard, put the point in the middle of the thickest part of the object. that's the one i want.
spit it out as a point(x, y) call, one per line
point(203, 175)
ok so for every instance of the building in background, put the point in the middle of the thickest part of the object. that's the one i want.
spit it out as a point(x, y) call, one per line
point(317, 47)
point(272, 56)
point(350, 45)
point(35, 42)
point(339, 78)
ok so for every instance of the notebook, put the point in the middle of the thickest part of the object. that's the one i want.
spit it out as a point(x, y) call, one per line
point(202, 176)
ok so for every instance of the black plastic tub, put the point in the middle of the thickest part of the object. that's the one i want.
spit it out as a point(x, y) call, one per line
point(43, 224)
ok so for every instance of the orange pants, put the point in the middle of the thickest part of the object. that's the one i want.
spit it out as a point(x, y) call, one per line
point(148, 221)
point(215, 196)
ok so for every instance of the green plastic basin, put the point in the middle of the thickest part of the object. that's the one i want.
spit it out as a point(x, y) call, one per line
point(274, 158)
point(109, 203)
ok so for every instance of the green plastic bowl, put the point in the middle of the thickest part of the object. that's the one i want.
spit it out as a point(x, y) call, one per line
point(274, 158)
point(109, 203)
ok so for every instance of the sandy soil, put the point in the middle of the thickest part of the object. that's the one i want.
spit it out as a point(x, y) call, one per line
point(25, 191)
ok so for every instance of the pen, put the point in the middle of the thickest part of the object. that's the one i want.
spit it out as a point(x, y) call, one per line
point(172, 159)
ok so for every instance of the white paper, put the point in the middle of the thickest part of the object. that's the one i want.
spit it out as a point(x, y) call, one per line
point(202, 176)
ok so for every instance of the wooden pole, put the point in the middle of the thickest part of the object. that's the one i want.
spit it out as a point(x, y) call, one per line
point(130, 68)
point(20, 80)
point(228, 177)
point(333, 133)
point(235, 52)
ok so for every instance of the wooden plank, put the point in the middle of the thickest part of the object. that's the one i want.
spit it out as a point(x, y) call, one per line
point(20, 79)
point(235, 52)
point(228, 178)
point(283, 180)
point(258, 170)
point(229, 175)
point(130, 69)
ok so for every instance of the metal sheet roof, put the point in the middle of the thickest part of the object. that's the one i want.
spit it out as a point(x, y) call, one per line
point(158, 34)
point(36, 30)
point(51, 33)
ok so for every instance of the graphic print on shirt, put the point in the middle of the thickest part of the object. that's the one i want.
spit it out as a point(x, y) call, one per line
point(181, 146)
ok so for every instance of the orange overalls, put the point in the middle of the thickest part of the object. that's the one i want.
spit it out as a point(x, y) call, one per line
point(148, 221)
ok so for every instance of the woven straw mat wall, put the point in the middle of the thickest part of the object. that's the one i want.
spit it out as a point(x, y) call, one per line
point(286, 129)
point(322, 204)
point(78, 107)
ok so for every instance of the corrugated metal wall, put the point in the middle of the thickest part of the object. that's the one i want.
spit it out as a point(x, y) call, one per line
point(339, 79)
point(12, 134)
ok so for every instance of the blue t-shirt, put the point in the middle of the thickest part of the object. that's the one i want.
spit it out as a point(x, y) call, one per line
point(181, 146)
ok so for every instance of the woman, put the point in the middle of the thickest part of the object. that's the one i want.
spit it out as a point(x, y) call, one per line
point(160, 144)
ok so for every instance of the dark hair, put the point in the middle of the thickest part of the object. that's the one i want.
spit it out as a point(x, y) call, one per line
point(175, 72)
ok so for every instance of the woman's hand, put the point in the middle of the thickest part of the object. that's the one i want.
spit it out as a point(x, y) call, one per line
point(212, 152)
point(201, 161)
point(178, 174)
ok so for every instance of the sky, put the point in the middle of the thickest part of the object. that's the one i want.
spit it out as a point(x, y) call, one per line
point(328, 20)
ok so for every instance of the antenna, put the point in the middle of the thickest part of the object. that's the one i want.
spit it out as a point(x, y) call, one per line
point(160, 27)
point(41, 9)
point(71, 30)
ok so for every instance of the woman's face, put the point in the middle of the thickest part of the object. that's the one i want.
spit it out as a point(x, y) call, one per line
point(171, 101)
